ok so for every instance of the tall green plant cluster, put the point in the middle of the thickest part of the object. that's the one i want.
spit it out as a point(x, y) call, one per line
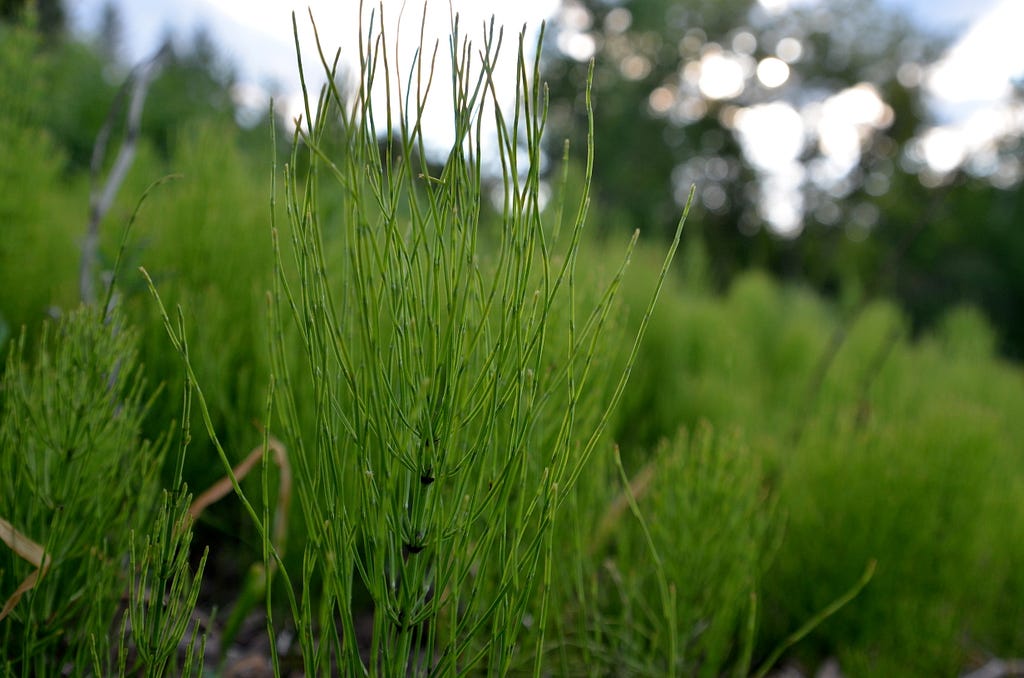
point(448, 385)
point(660, 570)
point(875, 445)
point(917, 460)
point(80, 486)
point(446, 408)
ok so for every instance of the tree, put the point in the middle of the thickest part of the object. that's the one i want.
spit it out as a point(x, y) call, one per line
point(50, 15)
point(852, 209)
point(110, 37)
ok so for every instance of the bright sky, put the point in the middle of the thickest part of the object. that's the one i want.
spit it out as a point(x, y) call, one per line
point(970, 89)
point(256, 36)
point(970, 86)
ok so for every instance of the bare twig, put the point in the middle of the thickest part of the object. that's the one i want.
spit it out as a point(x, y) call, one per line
point(638, 486)
point(28, 550)
point(224, 486)
point(102, 197)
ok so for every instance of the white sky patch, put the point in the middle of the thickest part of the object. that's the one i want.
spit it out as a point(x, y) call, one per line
point(944, 148)
point(578, 46)
point(574, 39)
point(722, 74)
point(256, 36)
point(338, 26)
point(780, 6)
point(772, 72)
point(980, 67)
point(971, 89)
point(773, 136)
point(782, 201)
point(846, 120)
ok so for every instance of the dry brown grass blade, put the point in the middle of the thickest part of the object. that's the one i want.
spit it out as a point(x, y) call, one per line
point(28, 550)
point(638, 485)
point(223, 487)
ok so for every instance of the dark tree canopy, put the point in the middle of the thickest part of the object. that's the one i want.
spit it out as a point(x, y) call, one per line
point(873, 219)
point(50, 15)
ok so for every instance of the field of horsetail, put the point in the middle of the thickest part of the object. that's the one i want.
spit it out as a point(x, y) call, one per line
point(341, 407)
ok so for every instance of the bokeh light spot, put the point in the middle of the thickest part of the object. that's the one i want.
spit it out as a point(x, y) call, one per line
point(789, 50)
point(721, 75)
point(575, 16)
point(772, 72)
point(744, 42)
point(577, 46)
point(943, 149)
point(772, 135)
point(713, 197)
point(618, 21)
point(774, 6)
point(661, 100)
point(635, 67)
point(909, 74)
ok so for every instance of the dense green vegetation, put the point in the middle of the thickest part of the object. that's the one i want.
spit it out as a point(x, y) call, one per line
point(440, 389)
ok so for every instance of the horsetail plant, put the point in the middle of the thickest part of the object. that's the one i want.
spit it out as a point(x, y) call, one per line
point(436, 396)
point(69, 425)
point(443, 416)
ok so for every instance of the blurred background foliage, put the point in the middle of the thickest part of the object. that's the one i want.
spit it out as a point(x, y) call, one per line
point(852, 343)
point(851, 217)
